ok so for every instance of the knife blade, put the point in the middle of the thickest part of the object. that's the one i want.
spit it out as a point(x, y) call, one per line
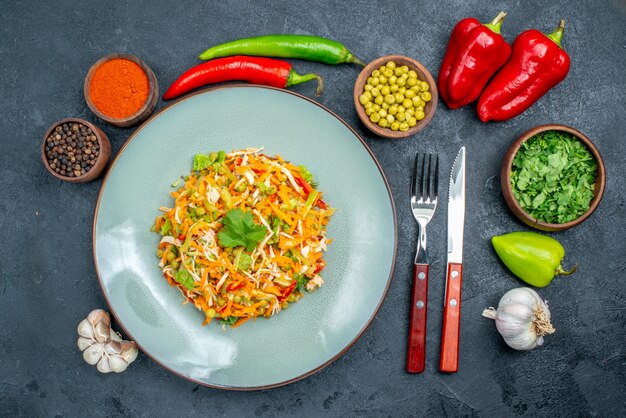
point(449, 359)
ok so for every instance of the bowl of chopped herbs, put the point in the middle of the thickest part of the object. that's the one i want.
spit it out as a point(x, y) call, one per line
point(552, 177)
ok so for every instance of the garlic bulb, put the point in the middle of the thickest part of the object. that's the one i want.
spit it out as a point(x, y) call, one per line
point(522, 318)
point(102, 346)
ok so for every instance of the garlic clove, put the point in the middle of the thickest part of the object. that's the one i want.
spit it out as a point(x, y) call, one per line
point(118, 364)
point(115, 336)
point(98, 315)
point(113, 348)
point(129, 351)
point(84, 343)
point(103, 365)
point(102, 333)
point(85, 329)
point(93, 353)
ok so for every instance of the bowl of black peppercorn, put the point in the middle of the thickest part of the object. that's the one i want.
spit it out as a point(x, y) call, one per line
point(75, 150)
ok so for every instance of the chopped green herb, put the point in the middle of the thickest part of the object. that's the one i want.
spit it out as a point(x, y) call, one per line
point(202, 161)
point(229, 320)
point(185, 278)
point(301, 281)
point(307, 175)
point(240, 230)
point(553, 177)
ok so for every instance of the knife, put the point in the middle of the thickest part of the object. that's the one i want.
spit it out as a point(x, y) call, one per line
point(449, 360)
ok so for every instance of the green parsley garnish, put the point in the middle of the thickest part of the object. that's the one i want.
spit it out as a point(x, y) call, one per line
point(240, 230)
point(553, 177)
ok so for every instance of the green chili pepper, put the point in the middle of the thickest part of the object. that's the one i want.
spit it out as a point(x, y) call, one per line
point(304, 47)
point(534, 258)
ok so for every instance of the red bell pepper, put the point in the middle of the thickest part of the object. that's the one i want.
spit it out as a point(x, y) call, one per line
point(288, 291)
point(537, 64)
point(259, 70)
point(475, 52)
point(308, 189)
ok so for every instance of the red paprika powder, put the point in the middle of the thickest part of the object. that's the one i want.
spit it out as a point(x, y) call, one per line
point(119, 88)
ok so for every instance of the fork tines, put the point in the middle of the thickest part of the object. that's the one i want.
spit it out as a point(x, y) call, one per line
point(425, 180)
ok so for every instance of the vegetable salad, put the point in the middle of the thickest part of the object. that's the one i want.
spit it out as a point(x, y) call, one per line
point(245, 237)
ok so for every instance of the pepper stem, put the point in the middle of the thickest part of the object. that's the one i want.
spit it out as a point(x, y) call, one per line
point(295, 78)
point(557, 35)
point(495, 24)
point(560, 272)
point(354, 60)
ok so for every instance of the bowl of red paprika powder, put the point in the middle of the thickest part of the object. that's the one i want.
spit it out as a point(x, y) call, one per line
point(121, 89)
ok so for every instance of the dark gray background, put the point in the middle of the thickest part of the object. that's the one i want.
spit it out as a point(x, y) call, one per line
point(48, 283)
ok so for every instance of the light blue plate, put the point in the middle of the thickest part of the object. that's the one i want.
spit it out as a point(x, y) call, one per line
point(311, 333)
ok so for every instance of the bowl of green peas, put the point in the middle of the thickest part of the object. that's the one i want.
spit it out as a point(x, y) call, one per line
point(395, 96)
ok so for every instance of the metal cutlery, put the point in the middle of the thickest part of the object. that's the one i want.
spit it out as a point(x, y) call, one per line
point(424, 191)
point(449, 360)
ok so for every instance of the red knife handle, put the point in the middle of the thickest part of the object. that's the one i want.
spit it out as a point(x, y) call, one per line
point(416, 352)
point(449, 362)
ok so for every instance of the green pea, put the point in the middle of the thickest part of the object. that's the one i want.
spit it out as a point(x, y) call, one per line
point(368, 87)
point(384, 106)
point(402, 90)
point(375, 73)
point(210, 313)
point(237, 299)
point(419, 115)
point(398, 98)
point(412, 122)
point(394, 88)
point(175, 264)
point(407, 103)
point(422, 103)
point(363, 99)
point(368, 94)
point(378, 100)
point(385, 90)
point(382, 113)
point(416, 101)
point(401, 82)
point(375, 81)
point(424, 86)
point(240, 188)
point(411, 82)
point(369, 80)
point(390, 118)
point(170, 256)
point(397, 71)
point(404, 69)
point(392, 80)
point(401, 116)
point(388, 72)
point(410, 112)
point(375, 117)
point(383, 123)
point(368, 104)
point(382, 68)
point(393, 109)
point(284, 305)
point(415, 89)
point(391, 65)
point(369, 111)
point(376, 107)
point(412, 74)
point(409, 94)
point(390, 99)
point(401, 109)
point(426, 96)
point(395, 126)
point(382, 79)
point(159, 253)
point(404, 126)
point(375, 92)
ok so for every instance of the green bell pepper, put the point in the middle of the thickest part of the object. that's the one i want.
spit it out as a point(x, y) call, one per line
point(534, 258)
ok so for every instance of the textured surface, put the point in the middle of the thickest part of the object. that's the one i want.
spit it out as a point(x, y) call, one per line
point(47, 278)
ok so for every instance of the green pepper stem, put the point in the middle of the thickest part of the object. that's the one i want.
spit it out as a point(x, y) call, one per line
point(295, 78)
point(354, 60)
point(495, 24)
point(557, 35)
point(560, 272)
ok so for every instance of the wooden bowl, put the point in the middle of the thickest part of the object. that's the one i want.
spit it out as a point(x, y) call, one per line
point(422, 73)
point(505, 179)
point(101, 161)
point(141, 114)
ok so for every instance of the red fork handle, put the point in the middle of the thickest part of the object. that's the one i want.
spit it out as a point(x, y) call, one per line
point(449, 361)
point(416, 351)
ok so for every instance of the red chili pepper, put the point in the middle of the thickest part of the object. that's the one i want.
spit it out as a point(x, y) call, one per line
point(231, 287)
point(288, 292)
point(537, 64)
point(181, 237)
point(258, 70)
point(308, 189)
point(475, 52)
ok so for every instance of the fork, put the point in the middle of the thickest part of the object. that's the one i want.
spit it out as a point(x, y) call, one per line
point(424, 191)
